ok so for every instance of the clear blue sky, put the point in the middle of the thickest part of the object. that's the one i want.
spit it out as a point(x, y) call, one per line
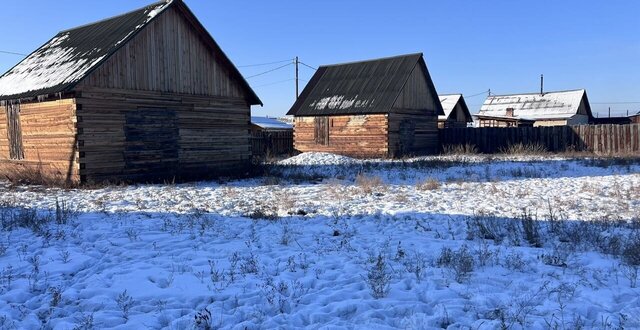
point(469, 46)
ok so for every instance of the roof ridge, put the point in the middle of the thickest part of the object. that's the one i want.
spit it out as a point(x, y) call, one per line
point(373, 60)
point(545, 93)
point(155, 4)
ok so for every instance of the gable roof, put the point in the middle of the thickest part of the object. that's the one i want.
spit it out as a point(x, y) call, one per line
point(536, 106)
point(65, 60)
point(270, 123)
point(449, 103)
point(363, 87)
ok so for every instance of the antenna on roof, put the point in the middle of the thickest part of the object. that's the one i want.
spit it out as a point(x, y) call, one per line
point(541, 84)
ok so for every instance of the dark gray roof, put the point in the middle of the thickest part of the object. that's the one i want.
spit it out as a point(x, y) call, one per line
point(356, 88)
point(71, 55)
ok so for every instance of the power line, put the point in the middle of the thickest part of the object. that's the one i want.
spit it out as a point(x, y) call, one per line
point(268, 71)
point(308, 66)
point(274, 83)
point(478, 94)
point(12, 53)
point(263, 64)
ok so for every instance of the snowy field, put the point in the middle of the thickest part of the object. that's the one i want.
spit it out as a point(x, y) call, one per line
point(330, 242)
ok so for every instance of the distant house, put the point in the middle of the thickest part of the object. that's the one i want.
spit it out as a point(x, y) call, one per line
point(385, 107)
point(147, 95)
point(548, 109)
point(266, 124)
point(635, 119)
point(456, 112)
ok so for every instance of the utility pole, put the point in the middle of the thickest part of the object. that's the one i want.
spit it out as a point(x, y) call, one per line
point(541, 84)
point(296, 62)
point(609, 112)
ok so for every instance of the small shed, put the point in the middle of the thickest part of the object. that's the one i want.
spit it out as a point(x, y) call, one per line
point(635, 118)
point(144, 96)
point(267, 124)
point(386, 107)
point(270, 137)
point(456, 112)
point(547, 109)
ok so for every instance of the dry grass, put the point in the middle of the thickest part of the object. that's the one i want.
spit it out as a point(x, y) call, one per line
point(369, 184)
point(18, 174)
point(524, 149)
point(460, 149)
point(429, 184)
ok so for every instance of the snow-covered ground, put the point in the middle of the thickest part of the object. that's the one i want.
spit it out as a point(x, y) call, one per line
point(326, 241)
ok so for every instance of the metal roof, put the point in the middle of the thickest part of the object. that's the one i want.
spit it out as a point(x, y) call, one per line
point(449, 102)
point(270, 123)
point(71, 55)
point(550, 105)
point(358, 87)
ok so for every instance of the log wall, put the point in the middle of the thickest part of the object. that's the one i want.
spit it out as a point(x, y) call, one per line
point(48, 141)
point(413, 133)
point(363, 136)
point(172, 136)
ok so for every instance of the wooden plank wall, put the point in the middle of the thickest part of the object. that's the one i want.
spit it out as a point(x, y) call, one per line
point(214, 136)
point(425, 135)
point(599, 139)
point(413, 124)
point(168, 56)
point(271, 143)
point(48, 138)
point(357, 136)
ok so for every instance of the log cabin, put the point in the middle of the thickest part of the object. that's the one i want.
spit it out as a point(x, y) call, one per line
point(536, 109)
point(456, 112)
point(385, 107)
point(144, 96)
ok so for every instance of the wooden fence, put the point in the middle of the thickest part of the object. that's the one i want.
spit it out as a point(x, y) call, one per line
point(600, 139)
point(274, 143)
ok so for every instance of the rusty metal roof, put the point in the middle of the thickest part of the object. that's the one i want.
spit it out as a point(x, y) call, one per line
point(71, 55)
point(364, 87)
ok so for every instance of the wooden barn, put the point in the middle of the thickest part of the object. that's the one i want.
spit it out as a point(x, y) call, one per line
point(635, 119)
point(143, 96)
point(386, 107)
point(536, 109)
point(456, 112)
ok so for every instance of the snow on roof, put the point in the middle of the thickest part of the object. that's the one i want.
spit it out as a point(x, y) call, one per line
point(67, 58)
point(270, 123)
point(551, 105)
point(358, 88)
point(448, 104)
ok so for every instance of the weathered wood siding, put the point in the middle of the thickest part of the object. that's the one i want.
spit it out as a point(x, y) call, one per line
point(201, 136)
point(358, 136)
point(168, 56)
point(599, 139)
point(48, 140)
point(457, 118)
point(413, 123)
point(265, 143)
point(413, 134)
point(166, 105)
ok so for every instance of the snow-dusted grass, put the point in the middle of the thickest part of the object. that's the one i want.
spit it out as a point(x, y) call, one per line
point(328, 241)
